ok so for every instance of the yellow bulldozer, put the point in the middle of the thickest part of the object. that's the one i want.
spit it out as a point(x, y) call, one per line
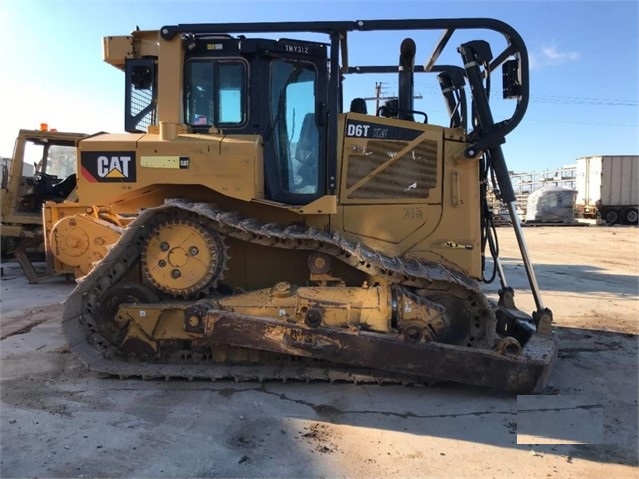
point(250, 226)
point(42, 168)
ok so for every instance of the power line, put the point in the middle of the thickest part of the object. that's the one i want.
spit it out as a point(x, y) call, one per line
point(616, 125)
point(568, 100)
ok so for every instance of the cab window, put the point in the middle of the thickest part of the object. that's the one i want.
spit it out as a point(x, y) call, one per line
point(215, 93)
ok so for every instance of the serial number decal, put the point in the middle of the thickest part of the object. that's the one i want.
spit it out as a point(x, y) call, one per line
point(379, 133)
point(170, 162)
point(296, 49)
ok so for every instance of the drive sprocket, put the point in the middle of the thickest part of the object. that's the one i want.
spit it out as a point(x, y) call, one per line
point(183, 258)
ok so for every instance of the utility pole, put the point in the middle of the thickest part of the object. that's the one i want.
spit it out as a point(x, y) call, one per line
point(378, 93)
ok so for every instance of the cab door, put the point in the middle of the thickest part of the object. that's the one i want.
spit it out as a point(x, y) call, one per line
point(294, 102)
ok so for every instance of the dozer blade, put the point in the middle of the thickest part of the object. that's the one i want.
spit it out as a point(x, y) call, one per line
point(527, 372)
point(344, 355)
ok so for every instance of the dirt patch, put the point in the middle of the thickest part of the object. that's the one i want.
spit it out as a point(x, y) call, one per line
point(319, 437)
point(24, 322)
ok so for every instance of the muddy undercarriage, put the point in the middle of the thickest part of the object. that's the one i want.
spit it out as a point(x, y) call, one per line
point(409, 321)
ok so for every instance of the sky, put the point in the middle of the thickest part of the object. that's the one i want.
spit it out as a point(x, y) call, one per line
point(583, 60)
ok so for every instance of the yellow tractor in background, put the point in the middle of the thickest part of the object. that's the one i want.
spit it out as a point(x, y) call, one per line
point(42, 168)
point(248, 226)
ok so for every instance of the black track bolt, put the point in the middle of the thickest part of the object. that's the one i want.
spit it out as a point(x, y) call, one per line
point(175, 274)
point(164, 246)
point(161, 263)
point(193, 251)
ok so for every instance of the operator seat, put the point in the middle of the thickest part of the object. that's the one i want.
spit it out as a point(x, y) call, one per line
point(62, 190)
point(48, 188)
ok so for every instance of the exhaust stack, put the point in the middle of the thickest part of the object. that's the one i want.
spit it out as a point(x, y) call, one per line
point(406, 82)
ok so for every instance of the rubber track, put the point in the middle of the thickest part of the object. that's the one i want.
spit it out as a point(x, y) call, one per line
point(101, 356)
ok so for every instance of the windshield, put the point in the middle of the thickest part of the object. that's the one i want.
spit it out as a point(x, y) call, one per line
point(56, 160)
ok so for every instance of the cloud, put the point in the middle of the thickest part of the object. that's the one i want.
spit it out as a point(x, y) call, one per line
point(551, 56)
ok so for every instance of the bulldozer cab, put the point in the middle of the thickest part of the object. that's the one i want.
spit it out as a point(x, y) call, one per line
point(287, 81)
point(274, 88)
point(43, 168)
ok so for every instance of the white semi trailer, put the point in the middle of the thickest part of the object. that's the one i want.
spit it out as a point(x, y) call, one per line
point(608, 188)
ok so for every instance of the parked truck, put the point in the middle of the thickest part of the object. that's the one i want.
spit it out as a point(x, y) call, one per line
point(608, 188)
